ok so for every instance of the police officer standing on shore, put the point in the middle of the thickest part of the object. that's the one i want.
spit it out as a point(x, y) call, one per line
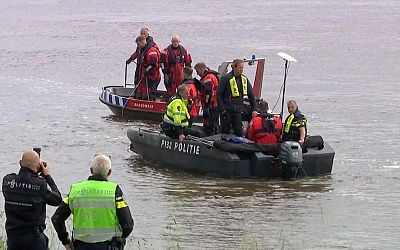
point(26, 195)
point(101, 218)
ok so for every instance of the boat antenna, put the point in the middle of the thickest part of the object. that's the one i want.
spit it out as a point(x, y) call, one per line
point(287, 59)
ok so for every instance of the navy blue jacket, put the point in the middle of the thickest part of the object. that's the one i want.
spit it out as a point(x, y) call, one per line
point(26, 195)
point(224, 95)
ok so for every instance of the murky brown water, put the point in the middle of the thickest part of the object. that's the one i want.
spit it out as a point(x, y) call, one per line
point(55, 56)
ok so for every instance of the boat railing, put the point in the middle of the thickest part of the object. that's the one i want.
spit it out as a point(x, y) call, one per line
point(201, 140)
point(149, 130)
point(112, 86)
point(208, 143)
point(224, 66)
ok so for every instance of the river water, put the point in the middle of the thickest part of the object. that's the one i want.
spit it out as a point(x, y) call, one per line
point(56, 55)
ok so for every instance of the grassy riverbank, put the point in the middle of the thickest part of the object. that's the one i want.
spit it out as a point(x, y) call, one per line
point(172, 241)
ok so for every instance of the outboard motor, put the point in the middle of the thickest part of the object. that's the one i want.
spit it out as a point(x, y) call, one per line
point(291, 158)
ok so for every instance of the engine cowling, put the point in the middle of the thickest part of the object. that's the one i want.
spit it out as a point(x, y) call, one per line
point(291, 157)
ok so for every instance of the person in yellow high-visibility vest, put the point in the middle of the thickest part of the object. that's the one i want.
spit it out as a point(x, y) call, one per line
point(295, 128)
point(101, 217)
point(233, 88)
point(176, 118)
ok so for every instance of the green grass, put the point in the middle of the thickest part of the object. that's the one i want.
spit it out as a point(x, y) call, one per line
point(2, 244)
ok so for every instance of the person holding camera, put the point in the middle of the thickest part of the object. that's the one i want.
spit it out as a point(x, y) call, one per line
point(101, 217)
point(26, 195)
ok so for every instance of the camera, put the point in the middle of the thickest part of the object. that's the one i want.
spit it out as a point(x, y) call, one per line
point(42, 163)
point(37, 150)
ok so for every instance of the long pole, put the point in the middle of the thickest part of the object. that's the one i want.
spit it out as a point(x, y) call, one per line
point(284, 88)
point(126, 72)
point(147, 88)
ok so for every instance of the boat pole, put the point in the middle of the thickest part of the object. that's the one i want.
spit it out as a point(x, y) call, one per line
point(287, 59)
point(284, 89)
point(126, 73)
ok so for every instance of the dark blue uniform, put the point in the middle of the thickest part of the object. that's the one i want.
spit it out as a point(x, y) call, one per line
point(231, 108)
point(293, 122)
point(26, 195)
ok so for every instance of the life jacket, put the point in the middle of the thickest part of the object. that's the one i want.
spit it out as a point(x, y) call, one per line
point(172, 62)
point(146, 57)
point(234, 86)
point(176, 58)
point(265, 129)
point(150, 41)
point(153, 56)
point(292, 124)
point(268, 125)
point(278, 127)
point(272, 124)
point(210, 71)
point(95, 199)
point(193, 97)
point(210, 82)
point(177, 111)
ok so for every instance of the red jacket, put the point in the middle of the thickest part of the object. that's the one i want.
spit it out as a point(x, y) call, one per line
point(209, 92)
point(258, 132)
point(149, 57)
point(173, 61)
point(149, 41)
point(193, 98)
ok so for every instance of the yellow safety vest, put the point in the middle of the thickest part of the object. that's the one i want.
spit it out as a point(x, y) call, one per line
point(93, 204)
point(297, 124)
point(234, 87)
point(177, 112)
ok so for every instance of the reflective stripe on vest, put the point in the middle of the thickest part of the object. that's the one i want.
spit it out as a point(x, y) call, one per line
point(295, 124)
point(288, 123)
point(93, 206)
point(234, 86)
point(177, 116)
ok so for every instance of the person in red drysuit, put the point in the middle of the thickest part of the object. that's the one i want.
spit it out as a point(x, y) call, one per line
point(193, 85)
point(173, 59)
point(264, 128)
point(147, 74)
point(208, 93)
